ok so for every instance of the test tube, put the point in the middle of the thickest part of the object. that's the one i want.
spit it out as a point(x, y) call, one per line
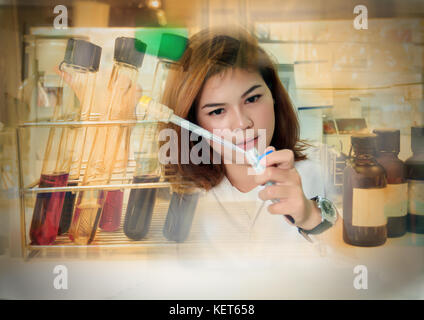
point(112, 208)
point(76, 163)
point(171, 48)
point(180, 214)
point(121, 95)
point(80, 65)
point(141, 202)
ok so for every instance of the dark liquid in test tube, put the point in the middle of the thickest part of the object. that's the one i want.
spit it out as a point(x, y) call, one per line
point(47, 210)
point(68, 209)
point(140, 209)
point(180, 216)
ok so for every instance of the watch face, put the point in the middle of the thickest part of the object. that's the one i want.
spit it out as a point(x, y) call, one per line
point(329, 211)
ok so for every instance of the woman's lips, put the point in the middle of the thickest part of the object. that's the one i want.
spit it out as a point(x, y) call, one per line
point(248, 144)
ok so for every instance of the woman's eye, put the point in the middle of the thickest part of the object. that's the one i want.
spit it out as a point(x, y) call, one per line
point(253, 99)
point(216, 112)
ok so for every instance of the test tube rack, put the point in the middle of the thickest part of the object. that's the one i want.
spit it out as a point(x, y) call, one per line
point(115, 240)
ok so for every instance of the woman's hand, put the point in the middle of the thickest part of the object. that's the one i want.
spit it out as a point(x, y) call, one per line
point(287, 189)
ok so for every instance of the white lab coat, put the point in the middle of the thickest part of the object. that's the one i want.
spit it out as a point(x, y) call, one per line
point(241, 218)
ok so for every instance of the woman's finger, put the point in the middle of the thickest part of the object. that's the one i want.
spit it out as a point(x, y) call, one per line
point(282, 158)
point(285, 209)
point(278, 192)
point(278, 175)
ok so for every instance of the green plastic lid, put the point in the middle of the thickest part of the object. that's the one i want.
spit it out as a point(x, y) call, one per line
point(172, 46)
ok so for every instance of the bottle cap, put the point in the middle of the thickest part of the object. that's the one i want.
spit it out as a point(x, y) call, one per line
point(130, 51)
point(172, 46)
point(388, 140)
point(83, 54)
point(417, 138)
point(364, 143)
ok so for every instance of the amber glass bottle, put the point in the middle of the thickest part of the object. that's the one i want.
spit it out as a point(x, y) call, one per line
point(415, 176)
point(364, 222)
point(396, 199)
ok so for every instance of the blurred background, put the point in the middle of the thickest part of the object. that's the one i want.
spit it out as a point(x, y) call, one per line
point(342, 80)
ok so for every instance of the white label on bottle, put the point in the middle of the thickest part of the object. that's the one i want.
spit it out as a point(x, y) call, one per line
point(368, 207)
point(396, 202)
point(416, 197)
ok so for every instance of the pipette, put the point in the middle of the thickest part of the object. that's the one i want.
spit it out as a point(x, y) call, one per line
point(155, 111)
point(159, 112)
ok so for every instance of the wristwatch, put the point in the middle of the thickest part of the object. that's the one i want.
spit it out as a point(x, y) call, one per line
point(329, 215)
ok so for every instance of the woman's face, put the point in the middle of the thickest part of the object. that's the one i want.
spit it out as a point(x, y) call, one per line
point(240, 103)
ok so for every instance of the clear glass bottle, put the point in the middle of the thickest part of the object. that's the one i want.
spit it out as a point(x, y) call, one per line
point(120, 105)
point(415, 176)
point(180, 214)
point(364, 183)
point(171, 49)
point(80, 67)
point(396, 199)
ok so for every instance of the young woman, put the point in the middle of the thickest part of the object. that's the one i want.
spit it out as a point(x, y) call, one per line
point(225, 81)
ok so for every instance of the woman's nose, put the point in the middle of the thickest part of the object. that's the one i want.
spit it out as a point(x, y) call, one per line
point(242, 120)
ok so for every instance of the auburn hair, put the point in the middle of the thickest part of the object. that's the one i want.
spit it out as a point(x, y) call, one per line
point(211, 52)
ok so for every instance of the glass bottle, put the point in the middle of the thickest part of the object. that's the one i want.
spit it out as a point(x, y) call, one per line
point(180, 214)
point(120, 105)
point(364, 222)
point(396, 199)
point(415, 176)
point(80, 67)
point(171, 49)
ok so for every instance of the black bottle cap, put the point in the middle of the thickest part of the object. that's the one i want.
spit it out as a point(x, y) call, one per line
point(130, 51)
point(83, 54)
point(388, 140)
point(364, 143)
point(417, 138)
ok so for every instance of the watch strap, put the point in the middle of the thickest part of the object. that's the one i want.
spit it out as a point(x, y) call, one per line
point(324, 225)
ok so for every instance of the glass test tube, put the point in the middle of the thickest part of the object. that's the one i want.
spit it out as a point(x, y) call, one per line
point(112, 208)
point(80, 67)
point(76, 163)
point(171, 49)
point(180, 214)
point(141, 201)
point(121, 101)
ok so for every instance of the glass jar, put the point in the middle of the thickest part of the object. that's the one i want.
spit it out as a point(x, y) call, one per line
point(364, 222)
point(396, 200)
point(415, 176)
